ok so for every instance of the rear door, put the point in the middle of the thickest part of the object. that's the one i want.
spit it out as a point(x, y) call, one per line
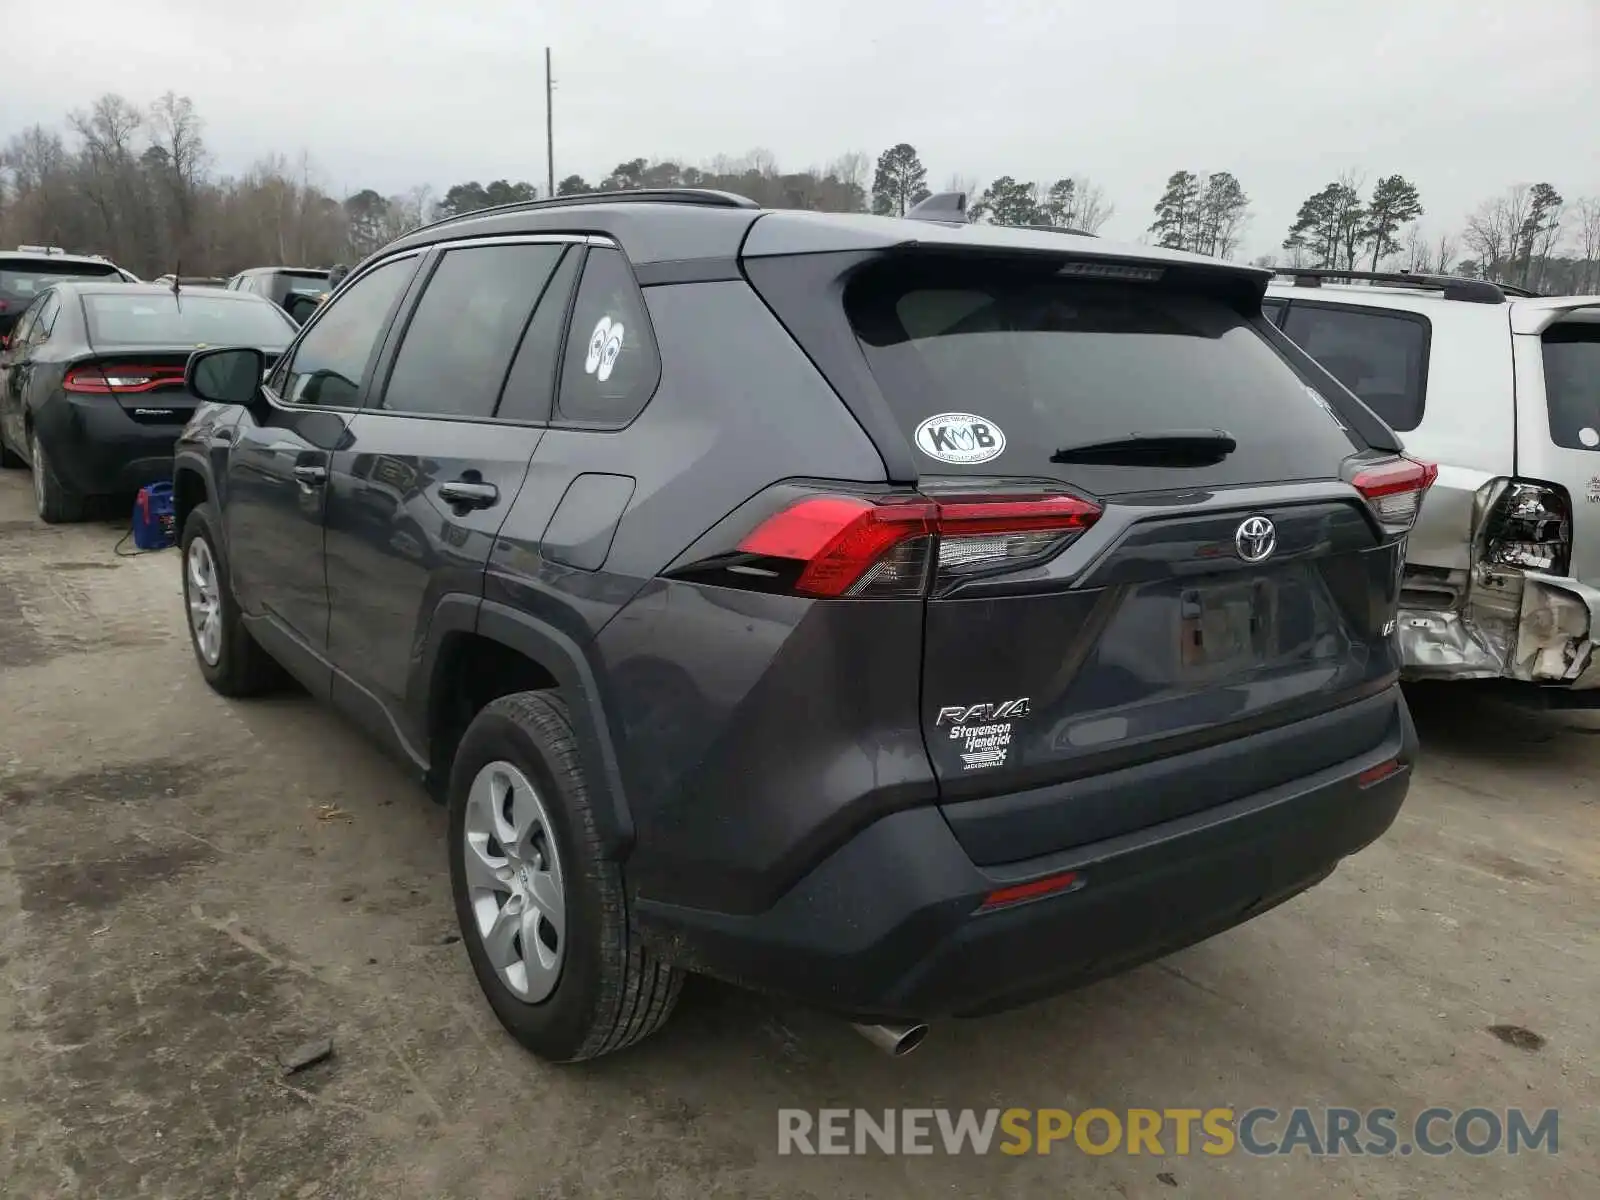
point(1557, 352)
point(1231, 582)
point(430, 467)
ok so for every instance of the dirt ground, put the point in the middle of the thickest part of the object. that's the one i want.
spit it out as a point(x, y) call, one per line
point(190, 887)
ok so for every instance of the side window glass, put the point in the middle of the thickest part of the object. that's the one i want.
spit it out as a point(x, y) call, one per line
point(1381, 358)
point(462, 333)
point(1273, 310)
point(611, 365)
point(329, 365)
point(530, 387)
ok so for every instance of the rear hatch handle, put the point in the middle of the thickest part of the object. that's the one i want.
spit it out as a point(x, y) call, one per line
point(1168, 448)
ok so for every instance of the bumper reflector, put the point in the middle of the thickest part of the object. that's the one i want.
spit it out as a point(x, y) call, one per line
point(1382, 771)
point(1032, 890)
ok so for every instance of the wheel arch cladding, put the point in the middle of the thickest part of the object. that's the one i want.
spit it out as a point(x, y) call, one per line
point(190, 491)
point(567, 665)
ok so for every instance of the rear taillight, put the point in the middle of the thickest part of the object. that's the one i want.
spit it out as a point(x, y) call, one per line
point(1530, 527)
point(87, 380)
point(96, 379)
point(1393, 490)
point(849, 546)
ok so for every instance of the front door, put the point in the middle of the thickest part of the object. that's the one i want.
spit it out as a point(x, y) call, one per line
point(278, 471)
point(434, 461)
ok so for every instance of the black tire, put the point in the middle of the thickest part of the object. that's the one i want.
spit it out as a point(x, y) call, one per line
point(242, 668)
point(612, 991)
point(56, 505)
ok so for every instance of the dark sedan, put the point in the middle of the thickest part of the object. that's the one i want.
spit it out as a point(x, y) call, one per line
point(91, 382)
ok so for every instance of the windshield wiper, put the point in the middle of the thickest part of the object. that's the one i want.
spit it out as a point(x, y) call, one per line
point(1172, 448)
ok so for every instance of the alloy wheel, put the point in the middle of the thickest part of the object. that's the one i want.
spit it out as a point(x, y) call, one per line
point(514, 881)
point(203, 592)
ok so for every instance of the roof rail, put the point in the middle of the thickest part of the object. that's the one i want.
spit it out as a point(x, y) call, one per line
point(708, 197)
point(1454, 287)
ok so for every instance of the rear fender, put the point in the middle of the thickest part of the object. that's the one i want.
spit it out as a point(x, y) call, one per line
point(566, 662)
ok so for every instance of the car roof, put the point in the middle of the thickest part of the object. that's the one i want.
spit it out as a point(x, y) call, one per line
point(93, 287)
point(66, 260)
point(687, 225)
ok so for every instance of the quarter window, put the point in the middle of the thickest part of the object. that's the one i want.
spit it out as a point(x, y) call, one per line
point(1572, 385)
point(1381, 357)
point(611, 365)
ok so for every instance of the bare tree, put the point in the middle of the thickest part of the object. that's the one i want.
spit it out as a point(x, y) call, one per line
point(177, 157)
point(1444, 256)
point(1414, 250)
point(970, 184)
point(108, 174)
point(1092, 209)
point(852, 168)
point(1491, 231)
point(1587, 210)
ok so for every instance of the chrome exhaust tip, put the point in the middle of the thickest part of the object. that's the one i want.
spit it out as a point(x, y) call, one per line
point(894, 1040)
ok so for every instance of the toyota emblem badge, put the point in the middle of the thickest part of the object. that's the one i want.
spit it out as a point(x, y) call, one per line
point(1255, 539)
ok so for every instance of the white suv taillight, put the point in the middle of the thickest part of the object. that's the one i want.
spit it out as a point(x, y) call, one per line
point(1530, 527)
point(1393, 490)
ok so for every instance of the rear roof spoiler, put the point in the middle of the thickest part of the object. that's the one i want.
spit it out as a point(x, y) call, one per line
point(1535, 316)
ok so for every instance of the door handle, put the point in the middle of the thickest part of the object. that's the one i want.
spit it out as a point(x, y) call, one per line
point(310, 477)
point(469, 493)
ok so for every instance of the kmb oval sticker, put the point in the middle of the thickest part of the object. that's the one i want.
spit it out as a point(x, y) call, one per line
point(960, 438)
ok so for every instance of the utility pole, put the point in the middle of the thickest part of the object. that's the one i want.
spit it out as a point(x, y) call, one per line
point(549, 127)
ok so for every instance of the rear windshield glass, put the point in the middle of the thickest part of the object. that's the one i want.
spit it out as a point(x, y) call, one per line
point(1028, 366)
point(25, 280)
point(1572, 385)
point(143, 319)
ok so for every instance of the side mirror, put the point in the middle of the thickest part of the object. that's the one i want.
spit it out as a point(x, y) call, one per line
point(226, 374)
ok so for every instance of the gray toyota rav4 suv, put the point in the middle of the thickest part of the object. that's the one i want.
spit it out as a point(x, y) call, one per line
point(905, 617)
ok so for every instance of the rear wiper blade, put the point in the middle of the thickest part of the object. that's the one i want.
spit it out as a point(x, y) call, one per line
point(1171, 448)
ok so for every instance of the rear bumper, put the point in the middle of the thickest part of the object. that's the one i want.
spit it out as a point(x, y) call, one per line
point(96, 448)
point(887, 927)
point(1547, 633)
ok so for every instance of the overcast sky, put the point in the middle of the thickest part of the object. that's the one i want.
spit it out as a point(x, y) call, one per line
point(1462, 97)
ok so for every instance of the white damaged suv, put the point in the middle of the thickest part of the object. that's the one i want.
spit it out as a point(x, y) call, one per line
point(1502, 390)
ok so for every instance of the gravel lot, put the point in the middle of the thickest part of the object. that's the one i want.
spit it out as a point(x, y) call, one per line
point(190, 887)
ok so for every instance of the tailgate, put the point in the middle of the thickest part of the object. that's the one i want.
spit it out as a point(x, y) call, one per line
point(1231, 582)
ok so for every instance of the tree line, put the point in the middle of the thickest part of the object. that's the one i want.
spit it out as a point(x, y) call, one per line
point(1528, 236)
point(137, 183)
